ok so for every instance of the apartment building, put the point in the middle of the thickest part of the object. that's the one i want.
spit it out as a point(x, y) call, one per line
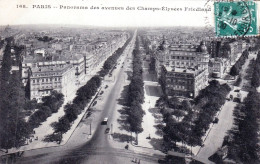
point(45, 79)
point(185, 82)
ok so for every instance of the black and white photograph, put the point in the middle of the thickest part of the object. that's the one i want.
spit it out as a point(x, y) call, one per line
point(129, 82)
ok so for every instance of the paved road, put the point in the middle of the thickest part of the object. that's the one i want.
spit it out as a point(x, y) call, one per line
point(216, 136)
point(218, 132)
point(98, 149)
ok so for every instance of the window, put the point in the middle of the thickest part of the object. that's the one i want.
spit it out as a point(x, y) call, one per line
point(42, 80)
point(33, 81)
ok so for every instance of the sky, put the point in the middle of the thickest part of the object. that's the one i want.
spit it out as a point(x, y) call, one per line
point(10, 14)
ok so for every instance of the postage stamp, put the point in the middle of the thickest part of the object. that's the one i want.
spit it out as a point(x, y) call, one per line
point(237, 18)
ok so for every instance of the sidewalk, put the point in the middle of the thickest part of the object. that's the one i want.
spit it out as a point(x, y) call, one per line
point(45, 128)
point(216, 133)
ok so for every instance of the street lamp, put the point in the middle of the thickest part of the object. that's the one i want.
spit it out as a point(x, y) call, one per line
point(111, 129)
point(90, 128)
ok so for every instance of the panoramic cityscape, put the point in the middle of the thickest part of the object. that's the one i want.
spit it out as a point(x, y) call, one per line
point(83, 94)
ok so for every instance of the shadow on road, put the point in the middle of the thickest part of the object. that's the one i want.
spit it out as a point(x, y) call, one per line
point(123, 99)
point(122, 120)
point(158, 121)
point(123, 137)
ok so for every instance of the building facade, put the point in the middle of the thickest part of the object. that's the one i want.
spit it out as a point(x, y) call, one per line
point(44, 80)
point(218, 67)
point(184, 82)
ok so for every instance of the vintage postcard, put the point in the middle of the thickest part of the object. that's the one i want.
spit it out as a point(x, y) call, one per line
point(129, 81)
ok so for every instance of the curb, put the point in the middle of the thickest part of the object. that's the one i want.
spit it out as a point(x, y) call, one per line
point(1, 155)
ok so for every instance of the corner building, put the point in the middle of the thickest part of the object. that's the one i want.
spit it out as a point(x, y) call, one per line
point(184, 82)
point(44, 80)
point(184, 69)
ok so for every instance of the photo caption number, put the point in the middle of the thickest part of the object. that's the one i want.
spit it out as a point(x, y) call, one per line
point(21, 6)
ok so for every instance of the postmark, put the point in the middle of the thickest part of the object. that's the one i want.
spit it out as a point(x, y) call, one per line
point(235, 18)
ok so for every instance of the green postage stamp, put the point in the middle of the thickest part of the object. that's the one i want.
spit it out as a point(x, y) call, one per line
point(235, 18)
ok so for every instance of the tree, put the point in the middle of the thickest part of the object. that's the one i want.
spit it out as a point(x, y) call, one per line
point(234, 70)
point(72, 111)
point(255, 82)
point(186, 106)
point(244, 144)
point(53, 101)
point(62, 126)
point(178, 113)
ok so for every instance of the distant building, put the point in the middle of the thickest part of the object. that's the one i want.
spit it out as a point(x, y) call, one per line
point(183, 56)
point(184, 82)
point(218, 67)
point(63, 63)
point(184, 67)
point(78, 61)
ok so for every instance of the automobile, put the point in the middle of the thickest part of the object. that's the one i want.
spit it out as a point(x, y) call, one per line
point(107, 130)
point(237, 90)
point(106, 86)
point(94, 103)
point(104, 122)
point(215, 120)
point(228, 99)
point(101, 92)
point(88, 114)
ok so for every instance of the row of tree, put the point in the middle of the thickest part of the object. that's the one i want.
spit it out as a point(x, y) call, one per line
point(236, 68)
point(2, 43)
point(255, 81)
point(13, 128)
point(83, 97)
point(50, 104)
point(111, 60)
point(177, 116)
point(243, 139)
point(72, 110)
point(186, 121)
point(135, 112)
point(209, 100)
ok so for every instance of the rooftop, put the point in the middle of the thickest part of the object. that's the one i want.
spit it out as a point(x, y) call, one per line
point(180, 70)
point(58, 70)
point(66, 56)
